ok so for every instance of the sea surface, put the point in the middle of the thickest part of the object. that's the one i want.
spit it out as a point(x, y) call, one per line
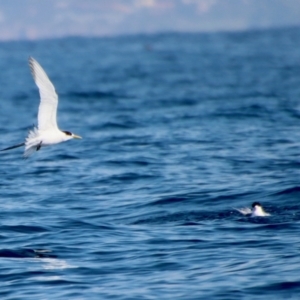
point(178, 131)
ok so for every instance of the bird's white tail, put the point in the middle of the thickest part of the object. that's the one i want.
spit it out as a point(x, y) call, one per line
point(32, 142)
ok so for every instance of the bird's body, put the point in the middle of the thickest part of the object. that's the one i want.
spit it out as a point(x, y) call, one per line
point(47, 132)
point(38, 138)
point(256, 211)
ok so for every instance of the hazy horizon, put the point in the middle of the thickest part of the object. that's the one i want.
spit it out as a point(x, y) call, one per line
point(33, 20)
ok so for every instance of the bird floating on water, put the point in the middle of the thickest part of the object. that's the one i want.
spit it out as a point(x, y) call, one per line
point(47, 132)
point(256, 211)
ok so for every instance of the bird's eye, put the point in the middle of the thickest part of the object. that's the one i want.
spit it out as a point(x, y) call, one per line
point(67, 132)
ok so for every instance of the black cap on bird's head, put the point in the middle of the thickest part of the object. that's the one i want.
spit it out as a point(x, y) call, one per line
point(72, 135)
point(67, 132)
point(255, 204)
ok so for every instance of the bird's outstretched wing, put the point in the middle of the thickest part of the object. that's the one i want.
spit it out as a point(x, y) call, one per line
point(244, 210)
point(49, 98)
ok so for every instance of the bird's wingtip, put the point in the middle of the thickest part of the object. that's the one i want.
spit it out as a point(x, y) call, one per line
point(31, 62)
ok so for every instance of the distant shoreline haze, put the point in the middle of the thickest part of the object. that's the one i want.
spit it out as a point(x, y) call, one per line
point(32, 20)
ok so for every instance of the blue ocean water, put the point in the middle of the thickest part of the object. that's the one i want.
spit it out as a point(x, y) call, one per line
point(178, 131)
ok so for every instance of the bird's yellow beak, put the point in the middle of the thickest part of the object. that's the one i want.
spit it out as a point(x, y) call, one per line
point(76, 136)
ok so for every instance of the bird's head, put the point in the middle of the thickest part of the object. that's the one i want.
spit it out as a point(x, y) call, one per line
point(256, 204)
point(69, 135)
point(257, 209)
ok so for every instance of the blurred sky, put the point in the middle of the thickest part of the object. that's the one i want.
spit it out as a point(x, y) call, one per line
point(34, 19)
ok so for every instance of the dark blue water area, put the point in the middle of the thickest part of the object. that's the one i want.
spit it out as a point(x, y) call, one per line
point(178, 131)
